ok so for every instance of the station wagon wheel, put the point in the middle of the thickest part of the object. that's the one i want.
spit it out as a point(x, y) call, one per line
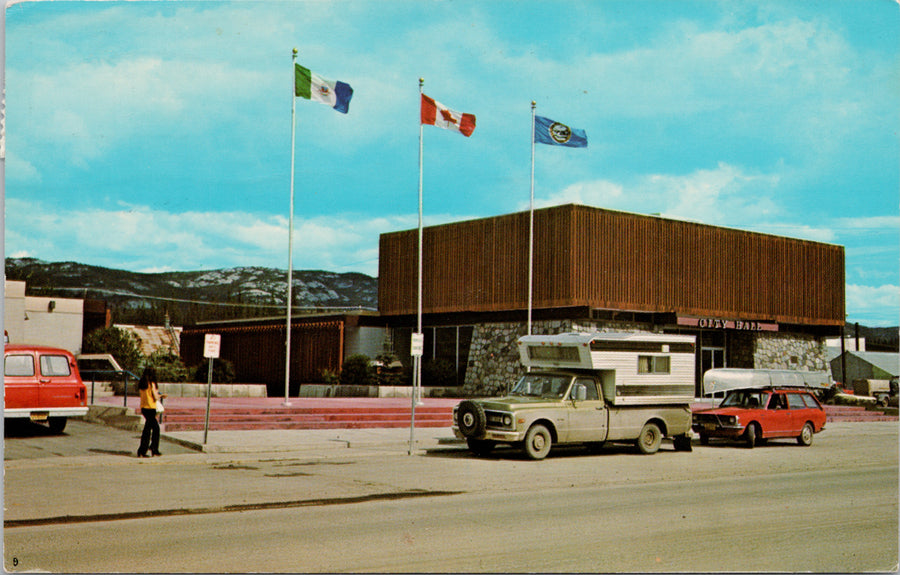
point(470, 418)
point(649, 440)
point(806, 435)
point(538, 442)
point(752, 434)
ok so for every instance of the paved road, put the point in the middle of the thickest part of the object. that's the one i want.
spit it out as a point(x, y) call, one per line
point(832, 507)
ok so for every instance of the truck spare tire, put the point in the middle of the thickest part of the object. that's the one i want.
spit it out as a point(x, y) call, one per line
point(470, 418)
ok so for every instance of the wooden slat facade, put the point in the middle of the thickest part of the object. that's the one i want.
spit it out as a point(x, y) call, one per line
point(605, 259)
point(257, 351)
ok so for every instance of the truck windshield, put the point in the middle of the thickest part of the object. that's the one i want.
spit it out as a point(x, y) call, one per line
point(542, 385)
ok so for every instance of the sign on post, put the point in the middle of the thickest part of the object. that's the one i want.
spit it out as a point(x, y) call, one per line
point(417, 346)
point(211, 344)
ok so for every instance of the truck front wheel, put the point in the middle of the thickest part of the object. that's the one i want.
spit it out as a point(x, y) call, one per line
point(480, 446)
point(650, 438)
point(538, 441)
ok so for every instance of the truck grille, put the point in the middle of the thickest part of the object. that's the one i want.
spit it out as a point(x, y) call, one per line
point(499, 419)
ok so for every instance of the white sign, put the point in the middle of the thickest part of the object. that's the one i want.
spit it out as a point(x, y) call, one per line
point(417, 347)
point(211, 345)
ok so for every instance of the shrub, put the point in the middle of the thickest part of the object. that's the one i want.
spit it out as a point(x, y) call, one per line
point(168, 366)
point(391, 371)
point(223, 371)
point(330, 377)
point(122, 345)
point(357, 371)
point(438, 373)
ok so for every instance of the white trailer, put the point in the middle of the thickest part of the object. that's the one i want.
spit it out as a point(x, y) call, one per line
point(633, 368)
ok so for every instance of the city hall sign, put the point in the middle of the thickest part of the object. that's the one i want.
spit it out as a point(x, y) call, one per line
point(726, 324)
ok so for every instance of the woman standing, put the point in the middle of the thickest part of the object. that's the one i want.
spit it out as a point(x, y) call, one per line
point(150, 395)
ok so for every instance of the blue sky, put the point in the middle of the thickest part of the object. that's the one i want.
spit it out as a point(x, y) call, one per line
point(155, 136)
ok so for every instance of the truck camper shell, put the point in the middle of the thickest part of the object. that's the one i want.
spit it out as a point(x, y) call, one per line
point(718, 381)
point(633, 368)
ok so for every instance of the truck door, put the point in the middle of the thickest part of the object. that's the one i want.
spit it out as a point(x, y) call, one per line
point(20, 382)
point(587, 417)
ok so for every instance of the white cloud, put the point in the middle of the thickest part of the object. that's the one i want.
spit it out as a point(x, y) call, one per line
point(142, 238)
point(725, 195)
point(874, 305)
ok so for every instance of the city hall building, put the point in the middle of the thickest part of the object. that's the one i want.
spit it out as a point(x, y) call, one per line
point(751, 300)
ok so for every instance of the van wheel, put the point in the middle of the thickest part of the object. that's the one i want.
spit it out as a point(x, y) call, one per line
point(649, 440)
point(752, 434)
point(57, 424)
point(538, 442)
point(806, 435)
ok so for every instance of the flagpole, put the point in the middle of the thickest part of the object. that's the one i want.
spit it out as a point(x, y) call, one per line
point(531, 226)
point(290, 279)
point(417, 359)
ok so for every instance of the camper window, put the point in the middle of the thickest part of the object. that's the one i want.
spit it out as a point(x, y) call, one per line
point(653, 364)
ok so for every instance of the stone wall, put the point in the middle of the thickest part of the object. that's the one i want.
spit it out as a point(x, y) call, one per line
point(789, 351)
point(494, 365)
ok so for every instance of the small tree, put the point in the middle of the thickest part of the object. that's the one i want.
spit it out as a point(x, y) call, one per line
point(168, 366)
point(123, 345)
point(357, 371)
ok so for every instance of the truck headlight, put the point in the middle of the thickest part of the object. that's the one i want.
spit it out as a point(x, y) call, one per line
point(507, 420)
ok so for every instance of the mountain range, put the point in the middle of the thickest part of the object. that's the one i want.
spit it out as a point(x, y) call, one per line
point(233, 292)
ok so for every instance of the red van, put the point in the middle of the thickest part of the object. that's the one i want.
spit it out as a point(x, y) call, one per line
point(43, 384)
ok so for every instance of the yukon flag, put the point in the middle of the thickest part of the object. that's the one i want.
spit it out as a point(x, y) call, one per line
point(546, 131)
point(437, 114)
point(311, 86)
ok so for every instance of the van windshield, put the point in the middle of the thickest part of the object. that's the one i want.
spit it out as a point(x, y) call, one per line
point(542, 385)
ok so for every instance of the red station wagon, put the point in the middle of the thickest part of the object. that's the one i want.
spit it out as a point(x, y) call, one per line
point(43, 384)
point(756, 415)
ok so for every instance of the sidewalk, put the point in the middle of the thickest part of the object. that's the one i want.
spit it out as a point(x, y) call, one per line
point(282, 440)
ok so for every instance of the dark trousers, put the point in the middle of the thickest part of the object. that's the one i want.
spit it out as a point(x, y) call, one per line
point(150, 435)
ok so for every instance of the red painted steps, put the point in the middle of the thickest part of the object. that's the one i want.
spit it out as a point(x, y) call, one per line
point(856, 413)
point(192, 419)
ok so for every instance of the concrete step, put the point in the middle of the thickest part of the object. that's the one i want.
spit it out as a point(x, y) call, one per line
point(191, 419)
point(262, 425)
point(856, 413)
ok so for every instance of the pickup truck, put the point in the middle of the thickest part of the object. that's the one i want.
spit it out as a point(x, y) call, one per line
point(43, 384)
point(617, 388)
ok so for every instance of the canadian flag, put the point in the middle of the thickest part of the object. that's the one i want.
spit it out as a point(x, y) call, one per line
point(437, 114)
